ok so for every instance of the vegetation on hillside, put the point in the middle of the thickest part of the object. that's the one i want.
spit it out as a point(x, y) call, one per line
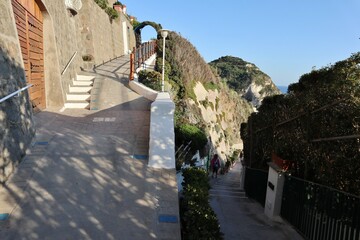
point(316, 125)
point(239, 75)
point(184, 68)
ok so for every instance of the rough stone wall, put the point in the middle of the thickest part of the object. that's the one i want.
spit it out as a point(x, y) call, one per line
point(17, 129)
point(63, 35)
point(102, 34)
point(89, 32)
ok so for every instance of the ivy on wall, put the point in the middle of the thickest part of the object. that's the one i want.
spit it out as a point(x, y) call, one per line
point(113, 14)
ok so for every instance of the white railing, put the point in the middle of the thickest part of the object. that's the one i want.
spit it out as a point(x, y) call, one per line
point(15, 93)
point(68, 64)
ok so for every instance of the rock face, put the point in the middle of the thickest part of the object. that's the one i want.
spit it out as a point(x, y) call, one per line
point(202, 99)
point(222, 111)
point(245, 78)
point(17, 128)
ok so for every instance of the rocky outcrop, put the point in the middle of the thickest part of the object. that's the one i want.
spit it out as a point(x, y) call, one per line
point(221, 111)
point(202, 99)
point(245, 78)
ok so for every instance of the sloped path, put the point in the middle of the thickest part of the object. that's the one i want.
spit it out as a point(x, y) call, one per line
point(240, 217)
point(86, 175)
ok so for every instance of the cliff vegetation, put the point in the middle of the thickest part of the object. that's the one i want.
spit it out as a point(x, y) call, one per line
point(316, 126)
point(245, 78)
point(202, 99)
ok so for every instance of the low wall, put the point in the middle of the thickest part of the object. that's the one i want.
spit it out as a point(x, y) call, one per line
point(162, 135)
point(143, 90)
point(140, 88)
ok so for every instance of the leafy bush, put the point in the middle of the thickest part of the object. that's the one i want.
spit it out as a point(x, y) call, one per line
point(314, 126)
point(102, 3)
point(210, 86)
point(113, 14)
point(185, 133)
point(151, 79)
point(118, 3)
point(197, 217)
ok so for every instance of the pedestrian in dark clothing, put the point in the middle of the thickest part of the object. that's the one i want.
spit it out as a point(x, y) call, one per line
point(215, 165)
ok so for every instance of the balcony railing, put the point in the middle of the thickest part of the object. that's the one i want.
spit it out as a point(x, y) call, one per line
point(140, 55)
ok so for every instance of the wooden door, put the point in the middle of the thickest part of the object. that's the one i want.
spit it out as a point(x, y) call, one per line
point(29, 25)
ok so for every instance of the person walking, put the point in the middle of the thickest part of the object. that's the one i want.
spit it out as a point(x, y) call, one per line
point(215, 165)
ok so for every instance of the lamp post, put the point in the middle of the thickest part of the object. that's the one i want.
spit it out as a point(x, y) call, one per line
point(164, 34)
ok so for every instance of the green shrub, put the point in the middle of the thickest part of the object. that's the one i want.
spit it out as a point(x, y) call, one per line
point(151, 79)
point(217, 103)
point(197, 217)
point(118, 3)
point(205, 102)
point(210, 86)
point(212, 106)
point(113, 14)
point(185, 133)
point(102, 3)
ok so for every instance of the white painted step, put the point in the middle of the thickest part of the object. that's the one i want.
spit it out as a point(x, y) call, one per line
point(84, 78)
point(77, 97)
point(76, 105)
point(76, 89)
point(82, 83)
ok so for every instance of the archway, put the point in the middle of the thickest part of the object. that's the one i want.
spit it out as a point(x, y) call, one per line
point(138, 28)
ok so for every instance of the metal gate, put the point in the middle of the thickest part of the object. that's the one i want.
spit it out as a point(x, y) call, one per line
point(320, 212)
point(256, 184)
point(29, 26)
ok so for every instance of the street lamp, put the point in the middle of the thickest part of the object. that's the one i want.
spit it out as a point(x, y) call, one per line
point(164, 34)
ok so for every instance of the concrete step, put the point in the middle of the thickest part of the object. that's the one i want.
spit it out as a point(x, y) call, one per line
point(82, 83)
point(81, 105)
point(81, 89)
point(77, 97)
point(84, 78)
point(228, 193)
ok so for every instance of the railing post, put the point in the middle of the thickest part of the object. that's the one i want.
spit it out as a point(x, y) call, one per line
point(132, 66)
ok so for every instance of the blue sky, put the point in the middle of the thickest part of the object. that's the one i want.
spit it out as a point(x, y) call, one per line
point(284, 38)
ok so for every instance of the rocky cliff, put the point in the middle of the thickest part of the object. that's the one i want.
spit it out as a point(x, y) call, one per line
point(201, 97)
point(245, 78)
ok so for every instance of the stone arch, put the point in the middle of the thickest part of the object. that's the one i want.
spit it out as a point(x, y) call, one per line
point(138, 28)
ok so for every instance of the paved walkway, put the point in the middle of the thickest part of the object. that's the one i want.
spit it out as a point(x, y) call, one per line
point(240, 217)
point(86, 175)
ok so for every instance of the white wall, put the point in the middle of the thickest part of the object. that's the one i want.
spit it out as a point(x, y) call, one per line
point(274, 195)
point(162, 135)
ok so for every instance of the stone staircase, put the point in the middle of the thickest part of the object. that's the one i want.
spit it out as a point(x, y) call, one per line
point(227, 188)
point(79, 93)
point(228, 185)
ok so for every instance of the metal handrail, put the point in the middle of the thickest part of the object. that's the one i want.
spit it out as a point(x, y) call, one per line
point(68, 64)
point(14, 93)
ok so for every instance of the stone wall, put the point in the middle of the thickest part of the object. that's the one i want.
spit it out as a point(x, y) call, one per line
point(88, 32)
point(16, 123)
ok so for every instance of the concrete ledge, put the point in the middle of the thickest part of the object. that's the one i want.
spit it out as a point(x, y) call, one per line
point(143, 90)
point(162, 136)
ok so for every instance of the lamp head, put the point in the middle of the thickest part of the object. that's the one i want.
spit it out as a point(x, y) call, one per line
point(164, 32)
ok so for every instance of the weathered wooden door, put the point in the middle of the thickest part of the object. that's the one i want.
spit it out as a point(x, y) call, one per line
point(29, 25)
